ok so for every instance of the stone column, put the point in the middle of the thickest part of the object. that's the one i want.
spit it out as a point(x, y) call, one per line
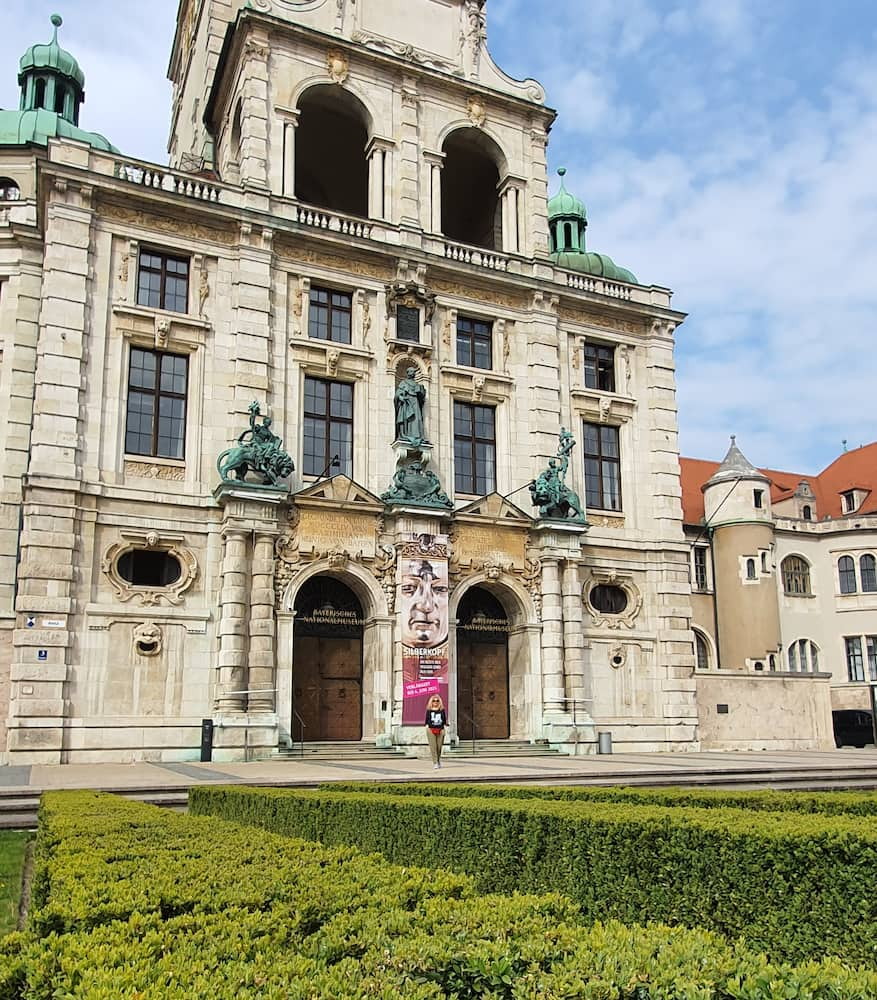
point(254, 112)
point(379, 201)
point(510, 194)
point(573, 640)
point(261, 679)
point(552, 636)
point(233, 622)
point(434, 165)
point(51, 513)
point(409, 187)
point(289, 120)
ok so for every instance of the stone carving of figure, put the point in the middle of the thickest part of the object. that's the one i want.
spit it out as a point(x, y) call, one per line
point(550, 493)
point(474, 35)
point(262, 453)
point(567, 443)
point(409, 401)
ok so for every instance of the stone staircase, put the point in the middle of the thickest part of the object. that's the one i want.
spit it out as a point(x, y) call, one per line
point(338, 750)
point(500, 748)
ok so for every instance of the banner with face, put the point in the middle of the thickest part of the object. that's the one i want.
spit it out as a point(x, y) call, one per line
point(423, 624)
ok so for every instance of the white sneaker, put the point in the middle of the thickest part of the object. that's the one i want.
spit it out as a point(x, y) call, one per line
point(435, 767)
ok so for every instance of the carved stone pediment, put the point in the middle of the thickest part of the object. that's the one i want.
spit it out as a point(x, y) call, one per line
point(494, 507)
point(333, 518)
point(490, 534)
point(339, 489)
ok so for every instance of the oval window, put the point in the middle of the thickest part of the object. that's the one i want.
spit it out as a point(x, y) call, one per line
point(148, 568)
point(608, 599)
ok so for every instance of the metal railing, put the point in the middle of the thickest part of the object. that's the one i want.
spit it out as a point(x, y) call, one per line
point(302, 727)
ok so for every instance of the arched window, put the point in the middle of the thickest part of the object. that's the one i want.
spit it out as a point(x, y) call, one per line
point(59, 98)
point(470, 200)
point(750, 569)
point(567, 236)
point(796, 575)
point(40, 93)
point(701, 651)
point(804, 656)
point(9, 190)
point(868, 572)
point(807, 512)
point(331, 169)
point(846, 571)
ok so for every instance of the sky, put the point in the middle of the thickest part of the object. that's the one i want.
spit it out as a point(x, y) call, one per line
point(726, 149)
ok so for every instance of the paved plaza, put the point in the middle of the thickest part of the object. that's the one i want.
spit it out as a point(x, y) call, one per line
point(838, 768)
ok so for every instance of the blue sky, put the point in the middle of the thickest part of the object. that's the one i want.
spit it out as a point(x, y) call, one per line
point(725, 148)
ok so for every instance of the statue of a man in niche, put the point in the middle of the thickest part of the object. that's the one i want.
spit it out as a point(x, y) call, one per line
point(409, 401)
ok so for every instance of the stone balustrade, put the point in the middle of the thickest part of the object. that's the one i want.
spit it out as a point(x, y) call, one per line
point(599, 286)
point(478, 258)
point(306, 215)
point(169, 181)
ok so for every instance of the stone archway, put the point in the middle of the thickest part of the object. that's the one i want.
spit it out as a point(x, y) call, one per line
point(496, 678)
point(374, 630)
point(327, 662)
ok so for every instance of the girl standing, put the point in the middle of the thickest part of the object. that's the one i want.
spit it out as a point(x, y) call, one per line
point(436, 720)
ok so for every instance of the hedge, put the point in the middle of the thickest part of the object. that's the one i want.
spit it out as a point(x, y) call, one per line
point(796, 886)
point(827, 803)
point(136, 902)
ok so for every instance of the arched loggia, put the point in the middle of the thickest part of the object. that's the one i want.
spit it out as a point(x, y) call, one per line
point(471, 211)
point(331, 166)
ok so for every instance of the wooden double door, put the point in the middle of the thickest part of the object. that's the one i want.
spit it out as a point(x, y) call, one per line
point(482, 690)
point(327, 688)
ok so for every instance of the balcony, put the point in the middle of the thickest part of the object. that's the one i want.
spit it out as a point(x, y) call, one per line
point(284, 212)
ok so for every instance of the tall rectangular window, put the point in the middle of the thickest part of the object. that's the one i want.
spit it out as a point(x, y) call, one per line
point(599, 367)
point(474, 343)
point(602, 467)
point(700, 567)
point(328, 426)
point(871, 647)
point(155, 424)
point(855, 666)
point(329, 315)
point(163, 281)
point(474, 449)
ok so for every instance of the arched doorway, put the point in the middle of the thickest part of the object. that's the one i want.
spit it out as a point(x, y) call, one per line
point(482, 667)
point(327, 662)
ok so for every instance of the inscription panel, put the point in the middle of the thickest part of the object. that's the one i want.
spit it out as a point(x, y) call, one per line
point(325, 531)
point(492, 543)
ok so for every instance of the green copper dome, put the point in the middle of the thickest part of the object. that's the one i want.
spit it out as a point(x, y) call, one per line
point(51, 95)
point(598, 264)
point(52, 57)
point(564, 203)
point(17, 128)
point(567, 222)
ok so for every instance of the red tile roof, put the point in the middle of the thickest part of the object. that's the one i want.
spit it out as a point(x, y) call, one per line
point(853, 470)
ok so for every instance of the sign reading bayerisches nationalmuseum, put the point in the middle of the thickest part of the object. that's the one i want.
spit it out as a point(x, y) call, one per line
point(423, 611)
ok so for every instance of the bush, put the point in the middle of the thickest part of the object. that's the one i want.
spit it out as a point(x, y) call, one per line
point(796, 886)
point(179, 907)
point(827, 803)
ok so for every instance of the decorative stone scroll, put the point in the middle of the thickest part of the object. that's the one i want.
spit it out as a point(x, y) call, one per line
point(172, 593)
point(624, 617)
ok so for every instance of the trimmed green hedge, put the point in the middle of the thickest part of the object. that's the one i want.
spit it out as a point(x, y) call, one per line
point(135, 902)
point(827, 803)
point(797, 886)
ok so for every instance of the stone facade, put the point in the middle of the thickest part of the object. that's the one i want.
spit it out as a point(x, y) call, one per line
point(784, 574)
point(108, 659)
